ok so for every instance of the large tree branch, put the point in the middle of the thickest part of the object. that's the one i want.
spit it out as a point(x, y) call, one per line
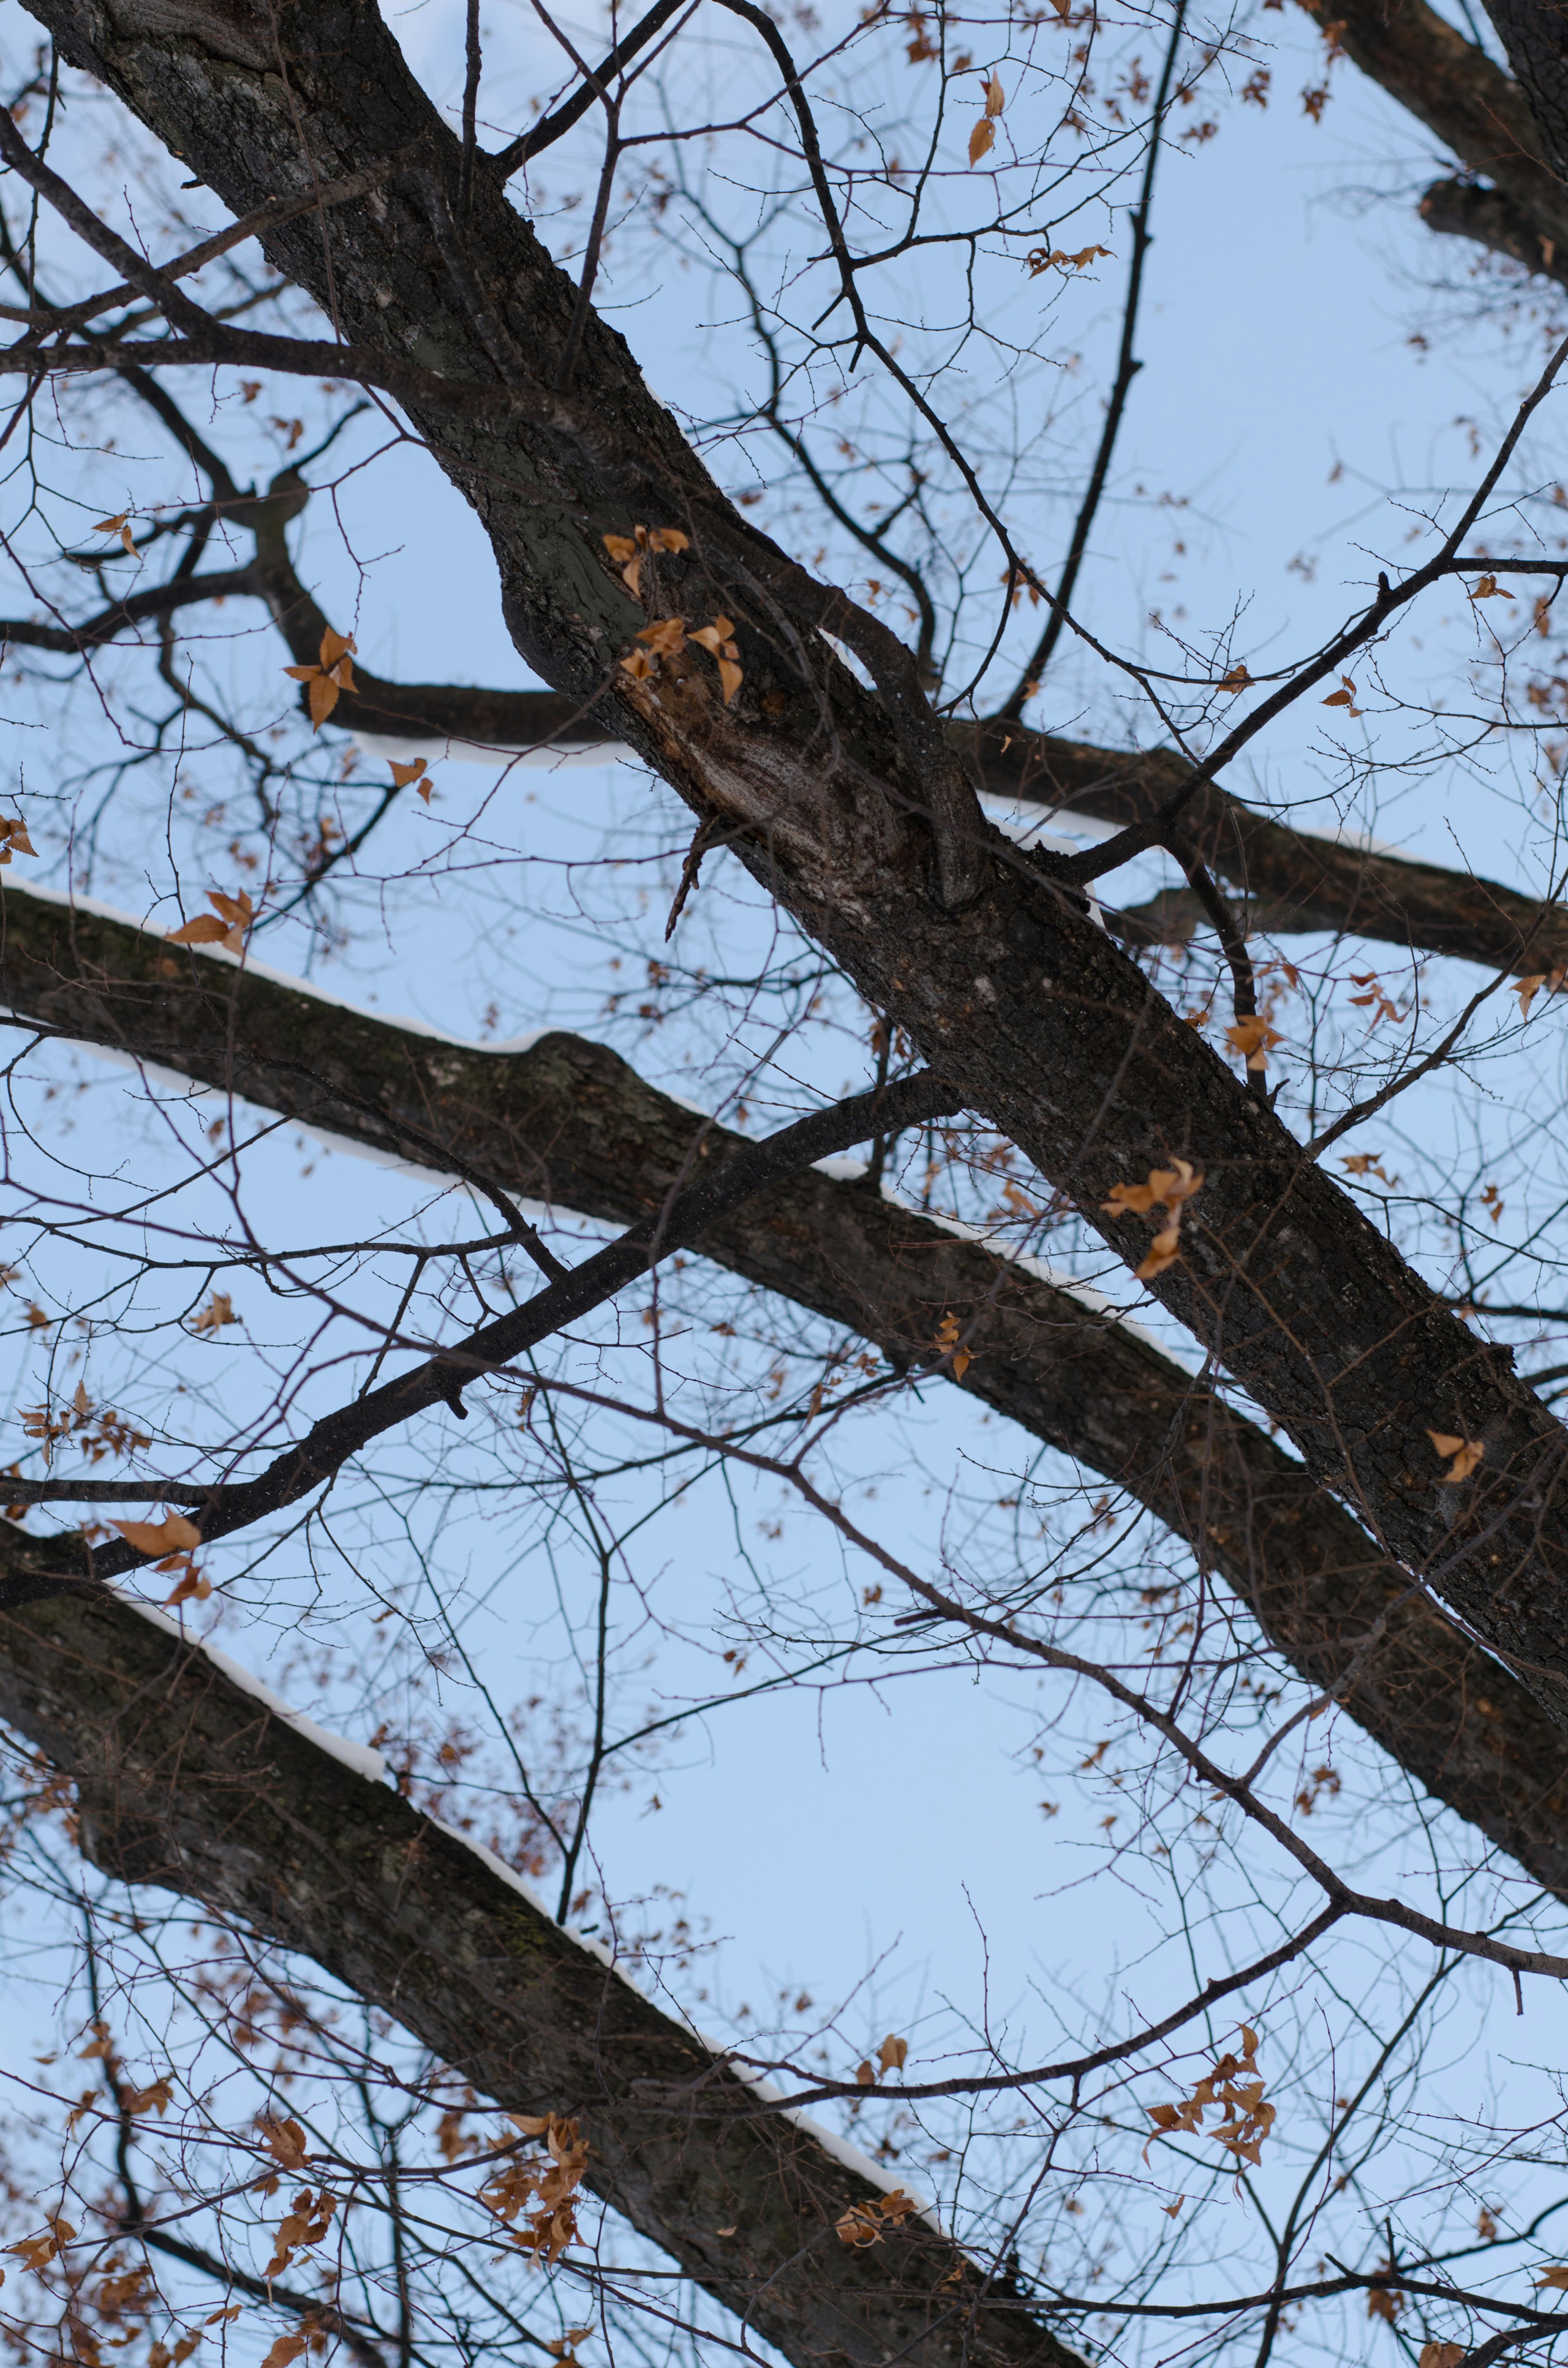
point(567, 1122)
point(844, 801)
point(1294, 883)
point(191, 1781)
point(1478, 112)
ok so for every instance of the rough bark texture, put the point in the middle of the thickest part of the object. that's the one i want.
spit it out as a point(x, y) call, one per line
point(1532, 33)
point(837, 802)
point(187, 1781)
point(568, 1121)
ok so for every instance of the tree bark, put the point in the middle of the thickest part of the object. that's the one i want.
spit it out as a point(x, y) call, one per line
point(567, 1122)
point(189, 1781)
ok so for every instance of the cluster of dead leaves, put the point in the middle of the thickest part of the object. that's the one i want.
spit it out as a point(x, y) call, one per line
point(628, 551)
point(285, 2142)
point(413, 771)
point(174, 2355)
point(1526, 989)
point(14, 839)
point(310, 2334)
point(175, 1540)
point(305, 2225)
point(891, 2057)
point(541, 2189)
point(1253, 1040)
point(120, 524)
point(225, 925)
point(983, 137)
point(1168, 1188)
point(1045, 258)
point(667, 636)
point(38, 2252)
point(1345, 697)
point(100, 1431)
point(1373, 998)
point(219, 1311)
point(331, 676)
point(1466, 1453)
point(866, 2223)
point(564, 2346)
point(1235, 2086)
point(947, 1345)
point(1369, 1163)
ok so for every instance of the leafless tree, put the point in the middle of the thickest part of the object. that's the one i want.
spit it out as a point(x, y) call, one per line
point(420, 2083)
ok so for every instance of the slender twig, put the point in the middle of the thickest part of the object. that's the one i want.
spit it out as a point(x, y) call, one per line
point(1127, 369)
point(475, 63)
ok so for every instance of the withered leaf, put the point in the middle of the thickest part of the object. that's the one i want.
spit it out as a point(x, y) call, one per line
point(1466, 1453)
point(120, 525)
point(173, 1534)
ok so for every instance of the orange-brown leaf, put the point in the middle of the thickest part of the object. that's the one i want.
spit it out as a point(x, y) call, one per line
point(173, 1534)
point(206, 929)
point(1163, 1251)
point(120, 525)
point(982, 140)
point(1466, 1453)
point(1253, 1038)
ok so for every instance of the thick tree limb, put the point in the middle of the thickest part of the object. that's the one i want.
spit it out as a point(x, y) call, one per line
point(568, 1122)
point(1294, 883)
point(1476, 111)
point(844, 803)
point(189, 1781)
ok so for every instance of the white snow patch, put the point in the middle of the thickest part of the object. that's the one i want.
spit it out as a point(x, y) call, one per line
point(357, 1756)
point(551, 756)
